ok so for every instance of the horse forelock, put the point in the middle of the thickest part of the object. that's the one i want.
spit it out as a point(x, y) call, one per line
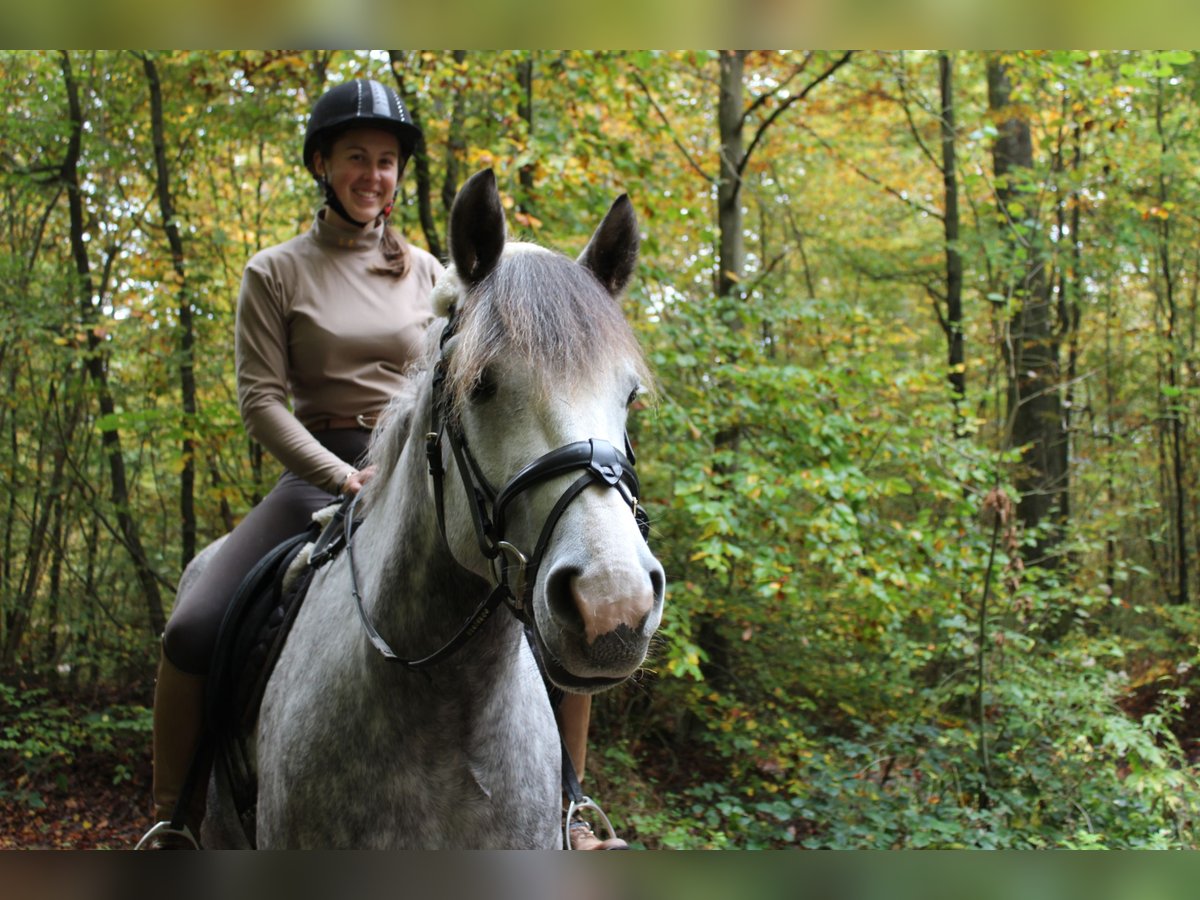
point(537, 306)
point(546, 312)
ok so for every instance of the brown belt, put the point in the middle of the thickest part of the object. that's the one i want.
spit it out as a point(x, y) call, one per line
point(366, 423)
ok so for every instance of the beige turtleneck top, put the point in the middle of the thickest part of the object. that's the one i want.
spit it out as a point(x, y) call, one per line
point(314, 326)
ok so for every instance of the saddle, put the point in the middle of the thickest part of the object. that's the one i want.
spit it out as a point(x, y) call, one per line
point(249, 642)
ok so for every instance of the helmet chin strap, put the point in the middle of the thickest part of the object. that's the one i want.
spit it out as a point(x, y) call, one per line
point(332, 201)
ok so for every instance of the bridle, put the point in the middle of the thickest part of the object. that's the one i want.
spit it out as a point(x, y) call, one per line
point(599, 462)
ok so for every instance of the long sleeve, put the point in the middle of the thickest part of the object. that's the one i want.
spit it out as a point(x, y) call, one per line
point(261, 351)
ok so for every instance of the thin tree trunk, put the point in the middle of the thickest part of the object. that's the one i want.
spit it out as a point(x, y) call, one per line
point(1071, 315)
point(525, 113)
point(456, 145)
point(58, 552)
point(48, 487)
point(96, 365)
point(955, 359)
point(731, 252)
point(420, 159)
point(187, 337)
point(1178, 438)
point(10, 514)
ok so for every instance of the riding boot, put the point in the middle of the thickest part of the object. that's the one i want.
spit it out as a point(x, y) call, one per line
point(574, 715)
point(178, 724)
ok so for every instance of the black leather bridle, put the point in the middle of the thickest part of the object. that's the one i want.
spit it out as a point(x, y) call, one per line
point(598, 460)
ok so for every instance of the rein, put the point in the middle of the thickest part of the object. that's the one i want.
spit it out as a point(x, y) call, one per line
point(601, 464)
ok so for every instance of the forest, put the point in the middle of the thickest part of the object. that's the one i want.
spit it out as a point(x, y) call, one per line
point(919, 464)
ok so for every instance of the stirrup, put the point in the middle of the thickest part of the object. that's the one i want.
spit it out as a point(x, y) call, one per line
point(164, 828)
point(574, 807)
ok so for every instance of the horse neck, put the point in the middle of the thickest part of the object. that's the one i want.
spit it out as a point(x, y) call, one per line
point(415, 592)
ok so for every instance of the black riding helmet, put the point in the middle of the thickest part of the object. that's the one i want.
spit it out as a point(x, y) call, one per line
point(361, 103)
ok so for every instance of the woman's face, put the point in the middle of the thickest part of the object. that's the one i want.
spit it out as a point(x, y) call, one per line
point(362, 168)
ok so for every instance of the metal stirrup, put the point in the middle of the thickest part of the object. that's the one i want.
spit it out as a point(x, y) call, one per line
point(575, 806)
point(165, 828)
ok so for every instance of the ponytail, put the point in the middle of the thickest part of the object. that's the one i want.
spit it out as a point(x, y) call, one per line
point(395, 254)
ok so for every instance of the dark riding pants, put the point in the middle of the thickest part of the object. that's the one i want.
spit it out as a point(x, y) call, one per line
point(191, 632)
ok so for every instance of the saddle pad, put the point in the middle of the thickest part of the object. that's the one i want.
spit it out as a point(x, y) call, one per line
point(251, 627)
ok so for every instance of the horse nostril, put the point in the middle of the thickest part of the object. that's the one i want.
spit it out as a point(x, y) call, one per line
point(658, 584)
point(560, 597)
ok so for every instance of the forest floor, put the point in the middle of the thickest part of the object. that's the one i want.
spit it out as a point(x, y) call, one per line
point(101, 799)
point(80, 809)
point(96, 799)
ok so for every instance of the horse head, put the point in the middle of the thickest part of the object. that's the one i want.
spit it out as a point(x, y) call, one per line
point(537, 371)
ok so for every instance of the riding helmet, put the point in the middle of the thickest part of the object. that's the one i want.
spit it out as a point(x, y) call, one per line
point(363, 102)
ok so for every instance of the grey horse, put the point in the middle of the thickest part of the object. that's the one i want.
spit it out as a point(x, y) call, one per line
point(353, 749)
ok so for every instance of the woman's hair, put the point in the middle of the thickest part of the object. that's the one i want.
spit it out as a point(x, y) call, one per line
point(393, 246)
point(395, 254)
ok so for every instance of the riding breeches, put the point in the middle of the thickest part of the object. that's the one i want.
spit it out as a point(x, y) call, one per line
point(191, 632)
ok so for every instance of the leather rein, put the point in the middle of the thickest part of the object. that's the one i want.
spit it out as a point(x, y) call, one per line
point(599, 461)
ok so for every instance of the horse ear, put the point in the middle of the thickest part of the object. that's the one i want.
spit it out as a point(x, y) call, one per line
point(477, 230)
point(612, 252)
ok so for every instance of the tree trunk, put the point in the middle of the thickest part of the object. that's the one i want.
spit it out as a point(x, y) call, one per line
point(187, 337)
point(456, 145)
point(1070, 309)
point(956, 363)
point(1034, 402)
point(525, 112)
point(1176, 408)
point(96, 364)
point(420, 159)
point(46, 505)
point(731, 252)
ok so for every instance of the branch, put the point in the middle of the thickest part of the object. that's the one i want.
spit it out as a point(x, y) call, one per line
point(670, 130)
point(871, 178)
point(763, 98)
point(938, 298)
point(786, 105)
point(912, 125)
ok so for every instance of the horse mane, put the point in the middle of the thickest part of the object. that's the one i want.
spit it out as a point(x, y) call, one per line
point(391, 433)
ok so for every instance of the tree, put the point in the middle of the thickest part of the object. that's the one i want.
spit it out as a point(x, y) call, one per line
point(88, 295)
point(1031, 350)
point(187, 337)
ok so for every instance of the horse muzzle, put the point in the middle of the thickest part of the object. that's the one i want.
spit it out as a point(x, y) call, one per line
point(596, 622)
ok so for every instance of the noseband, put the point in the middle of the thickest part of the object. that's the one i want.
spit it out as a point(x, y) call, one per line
point(599, 462)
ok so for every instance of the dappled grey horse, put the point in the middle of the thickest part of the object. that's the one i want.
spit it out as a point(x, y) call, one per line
point(402, 712)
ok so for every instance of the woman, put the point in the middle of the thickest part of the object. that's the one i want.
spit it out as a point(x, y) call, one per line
point(330, 320)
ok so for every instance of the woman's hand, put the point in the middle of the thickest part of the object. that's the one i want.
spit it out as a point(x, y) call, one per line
point(356, 479)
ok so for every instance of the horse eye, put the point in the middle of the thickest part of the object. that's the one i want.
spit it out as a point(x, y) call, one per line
point(633, 395)
point(485, 388)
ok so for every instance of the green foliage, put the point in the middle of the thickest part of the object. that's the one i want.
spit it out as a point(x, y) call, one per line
point(42, 735)
point(861, 647)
